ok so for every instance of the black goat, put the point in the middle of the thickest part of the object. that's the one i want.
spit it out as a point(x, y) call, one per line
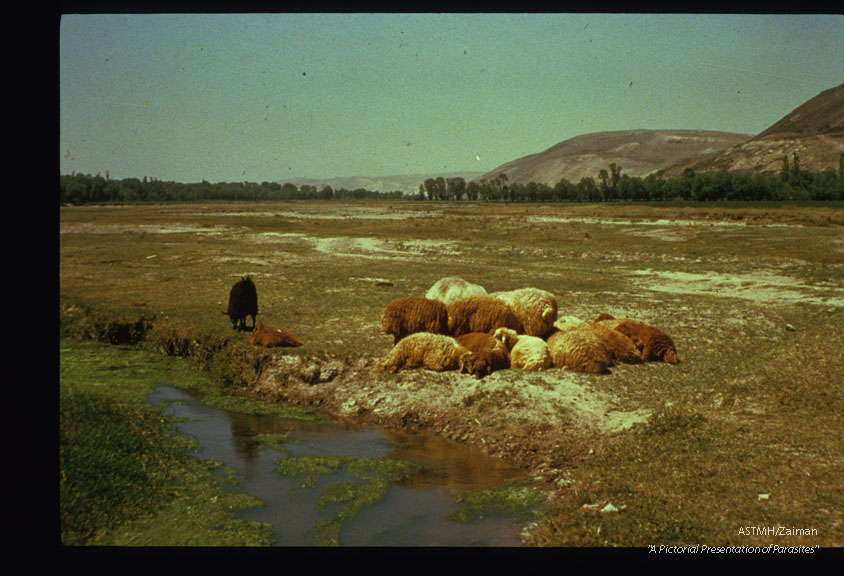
point(243, 302)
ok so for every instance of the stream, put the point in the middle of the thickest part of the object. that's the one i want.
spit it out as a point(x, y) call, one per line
point(414, 512)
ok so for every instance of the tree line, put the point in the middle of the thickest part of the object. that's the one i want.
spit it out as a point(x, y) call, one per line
point(791, 183)
point(87, 189)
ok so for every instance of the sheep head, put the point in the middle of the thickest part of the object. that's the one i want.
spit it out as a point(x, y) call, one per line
point(507, 336)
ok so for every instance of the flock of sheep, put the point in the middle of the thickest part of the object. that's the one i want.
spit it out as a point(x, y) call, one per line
point(457, 325)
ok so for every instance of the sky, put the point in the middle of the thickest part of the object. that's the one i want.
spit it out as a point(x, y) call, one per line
point(266, 97)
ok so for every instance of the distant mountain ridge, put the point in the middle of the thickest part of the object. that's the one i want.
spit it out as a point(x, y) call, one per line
point(636, 152)
point(407, 183)
point(814, 131)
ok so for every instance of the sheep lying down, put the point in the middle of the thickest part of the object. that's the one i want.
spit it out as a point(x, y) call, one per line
point(654, 344)
point(264, 335)
point(526, 352)
point(449, 289)
point(488, 354)
point(436, 352)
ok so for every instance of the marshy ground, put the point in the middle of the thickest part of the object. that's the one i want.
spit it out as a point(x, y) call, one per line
point(746, 431)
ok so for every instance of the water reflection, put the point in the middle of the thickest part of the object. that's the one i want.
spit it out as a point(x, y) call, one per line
point(414, 512)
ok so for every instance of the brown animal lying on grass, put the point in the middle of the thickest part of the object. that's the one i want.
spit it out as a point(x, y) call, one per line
point(488, 354)
point(579, 349)
point(263, 335)
point(654, 344)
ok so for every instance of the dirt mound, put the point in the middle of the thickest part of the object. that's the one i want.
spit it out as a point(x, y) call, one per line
point(511, 414)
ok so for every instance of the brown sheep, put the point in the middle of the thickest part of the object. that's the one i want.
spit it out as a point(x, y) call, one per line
point(621, 347)
point(654, 344)
point(263, 335)
point(488, 354)
point(410, 315)
point(579, 349)
point(481, 314)
point(426, 350)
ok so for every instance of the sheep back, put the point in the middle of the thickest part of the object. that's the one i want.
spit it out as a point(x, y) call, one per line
point(621, 347)
point(655, 345)
point(480, 314)
point(405, 316)
point(435, 352)
point(488, 354)
point(536, 309)
point(449, 289)
point(526, 352)
point(580, 350)
point(264, 335)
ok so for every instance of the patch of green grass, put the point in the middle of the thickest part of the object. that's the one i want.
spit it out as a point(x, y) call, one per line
point(515, 498)
point(126, 474)
point(126, 479)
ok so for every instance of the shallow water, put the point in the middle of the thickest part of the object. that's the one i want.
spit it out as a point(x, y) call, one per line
point(414, 512)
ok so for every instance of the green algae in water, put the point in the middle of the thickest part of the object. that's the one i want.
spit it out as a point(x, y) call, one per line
point(347, 498)
point(277, 441)
point(512, 499)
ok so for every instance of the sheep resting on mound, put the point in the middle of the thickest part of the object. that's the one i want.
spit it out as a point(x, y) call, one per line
point(435, 352)
point(579, 349)
point(536, 309)
point(488, 354)
point(654, 344)
point(410, 315)
point(481, 314)
point(526, 352)
point(449, 289)
point(263, 335)
point(621, 347)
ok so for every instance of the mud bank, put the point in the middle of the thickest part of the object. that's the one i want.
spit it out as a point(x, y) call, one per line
point(541, 422)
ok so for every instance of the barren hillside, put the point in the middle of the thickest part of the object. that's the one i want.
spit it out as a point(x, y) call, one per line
point(637, 152)
point(814, 130)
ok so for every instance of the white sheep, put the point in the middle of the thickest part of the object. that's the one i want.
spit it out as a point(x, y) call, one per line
point(536, 309)
point(435, 352)
point(579, 349)
point(526, 352)
point(449, 289)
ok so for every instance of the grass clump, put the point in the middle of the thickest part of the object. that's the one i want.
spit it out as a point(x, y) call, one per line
point(126, 474)
point(372, 481)
point(516, 498)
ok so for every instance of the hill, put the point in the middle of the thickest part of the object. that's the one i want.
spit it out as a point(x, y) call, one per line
point(637, 152)
point(814, 131)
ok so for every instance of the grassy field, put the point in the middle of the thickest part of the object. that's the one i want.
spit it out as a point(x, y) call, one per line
point(746, 432)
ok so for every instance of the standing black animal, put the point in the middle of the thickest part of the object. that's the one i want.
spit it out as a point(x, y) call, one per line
point(243, 302)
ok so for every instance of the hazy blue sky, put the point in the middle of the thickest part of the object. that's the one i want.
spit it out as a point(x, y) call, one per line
point(271, 96)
